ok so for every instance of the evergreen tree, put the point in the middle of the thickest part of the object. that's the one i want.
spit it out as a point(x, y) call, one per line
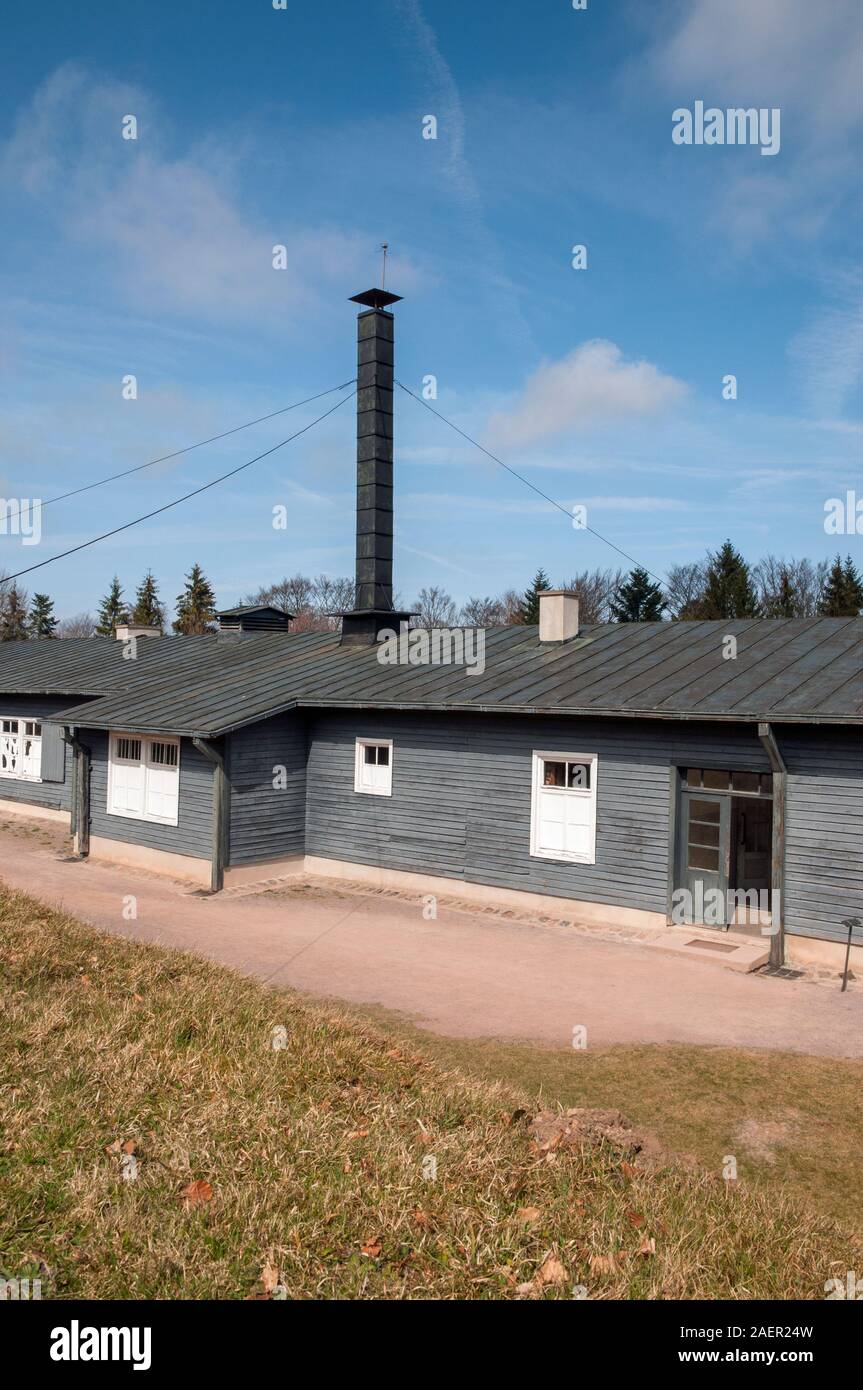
point(638, 600)
point(728, 590)
point(530, 602)
point(148, 609)
point(13, 615)
point(843, 591)
point(113, 612)
point(853, 586)
point(41, 622)
point(196, 605)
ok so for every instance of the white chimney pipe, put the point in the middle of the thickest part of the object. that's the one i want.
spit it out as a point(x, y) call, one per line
point(558, 615)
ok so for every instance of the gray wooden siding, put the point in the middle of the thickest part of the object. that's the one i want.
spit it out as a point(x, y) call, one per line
point(267, 822)
point(824, 829)
point(55, 795)
point(462, 789)
point(194, 833)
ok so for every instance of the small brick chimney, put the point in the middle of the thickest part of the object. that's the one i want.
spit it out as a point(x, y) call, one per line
point(373, 603)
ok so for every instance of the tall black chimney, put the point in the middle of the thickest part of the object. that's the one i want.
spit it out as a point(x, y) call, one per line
point(373, 600)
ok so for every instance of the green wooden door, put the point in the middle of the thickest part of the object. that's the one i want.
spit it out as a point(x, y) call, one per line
point(704, 855)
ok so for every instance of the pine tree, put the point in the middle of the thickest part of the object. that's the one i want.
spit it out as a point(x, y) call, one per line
point(843, 591)
point(13, 615)
point(148, 609)
point(728, 592)
point(41, 621)
point(530, 602)
point(196, 605)
point(853, 587)
point(113, 612)
point(638, 600)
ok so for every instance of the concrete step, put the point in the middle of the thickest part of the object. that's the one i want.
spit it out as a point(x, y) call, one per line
point(742, 953)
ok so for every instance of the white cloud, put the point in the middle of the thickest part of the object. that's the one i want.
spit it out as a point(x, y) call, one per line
point(593, 383)
point(173, 231)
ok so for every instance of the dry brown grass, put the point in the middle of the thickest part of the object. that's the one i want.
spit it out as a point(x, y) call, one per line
point(308, 1161)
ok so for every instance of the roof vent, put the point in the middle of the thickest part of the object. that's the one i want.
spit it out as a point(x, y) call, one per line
point(254, 618)
point(558, 615)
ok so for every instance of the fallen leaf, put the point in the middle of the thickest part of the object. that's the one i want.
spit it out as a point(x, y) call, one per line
point(602, 1264)
point(113, 1148)
point(551, 1271)
point(269, 1277)
point(635, 1218)
point(647, 1246)
point(358, 1134)
point(371, 1247)
point(627, 1170)
point(347, 1165)
point(129, 1147)
point(196, 1193)
point(528, 1215)
point(421, 1218)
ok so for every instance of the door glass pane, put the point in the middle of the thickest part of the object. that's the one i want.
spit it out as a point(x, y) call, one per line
point(767, 784)
point(704, 811)
point(370, 753)
point(383, 757)
point(553, 774)
point(693, 777)
point(702, 834)
point(700, 857)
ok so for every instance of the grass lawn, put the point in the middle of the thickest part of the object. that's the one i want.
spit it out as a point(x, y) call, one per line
point(307, 1163)
point(794, 1123)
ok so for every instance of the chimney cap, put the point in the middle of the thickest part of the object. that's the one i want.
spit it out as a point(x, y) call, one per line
point(375, 299)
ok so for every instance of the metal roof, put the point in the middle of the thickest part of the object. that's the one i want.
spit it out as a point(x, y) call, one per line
point(799, 670)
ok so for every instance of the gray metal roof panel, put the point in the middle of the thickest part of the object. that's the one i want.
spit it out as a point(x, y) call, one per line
point(800, 669)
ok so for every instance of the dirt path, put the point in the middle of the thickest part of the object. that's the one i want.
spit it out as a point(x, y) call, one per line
point(462, 975)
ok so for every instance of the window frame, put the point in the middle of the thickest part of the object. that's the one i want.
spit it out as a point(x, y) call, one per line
point(539, 758)
point(360, 746)
point(22, 721)
point(145, 762)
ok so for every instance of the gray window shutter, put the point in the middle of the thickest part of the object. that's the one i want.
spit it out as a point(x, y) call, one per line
point(53, 753)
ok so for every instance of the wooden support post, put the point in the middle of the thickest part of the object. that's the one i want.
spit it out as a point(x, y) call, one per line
point(777, 858)
point(80, 791)
point(221, 812)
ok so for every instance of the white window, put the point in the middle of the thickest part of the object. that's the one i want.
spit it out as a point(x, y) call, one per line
point(21, 749)
point(144, 778)
point(373, 767)
point(563, 807)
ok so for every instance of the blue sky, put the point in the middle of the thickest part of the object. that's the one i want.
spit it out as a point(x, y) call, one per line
point(303, 127)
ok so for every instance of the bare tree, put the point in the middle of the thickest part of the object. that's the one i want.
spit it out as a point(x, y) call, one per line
point(510, 604)
point(483, 612)
point(435, 608)
point(684, 587)
point(595, 591)
point(79, 625)
point(789, 588)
